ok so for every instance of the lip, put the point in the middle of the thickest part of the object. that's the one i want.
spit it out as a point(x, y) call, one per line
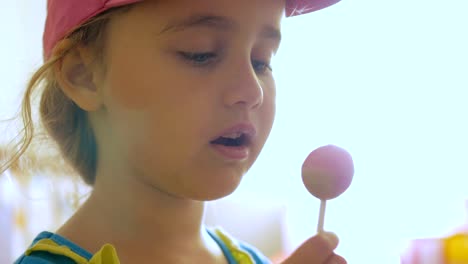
point(236, 152)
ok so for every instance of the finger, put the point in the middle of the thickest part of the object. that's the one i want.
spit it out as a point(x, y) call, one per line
point(335, 259)
point(315, 250)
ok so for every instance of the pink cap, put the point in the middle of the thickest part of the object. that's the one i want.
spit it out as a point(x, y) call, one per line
point(63, 16)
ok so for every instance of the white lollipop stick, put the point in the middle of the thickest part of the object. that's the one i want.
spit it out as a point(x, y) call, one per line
point(321, 221)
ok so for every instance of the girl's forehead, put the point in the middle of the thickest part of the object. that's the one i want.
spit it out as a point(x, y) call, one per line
point(222, 13)
point(240, 17)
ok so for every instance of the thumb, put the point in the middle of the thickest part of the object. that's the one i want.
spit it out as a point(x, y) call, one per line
point(315, 250)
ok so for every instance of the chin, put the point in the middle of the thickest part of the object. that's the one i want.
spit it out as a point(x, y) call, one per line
point(206, 195)
point(218, 194)
point(213, 189)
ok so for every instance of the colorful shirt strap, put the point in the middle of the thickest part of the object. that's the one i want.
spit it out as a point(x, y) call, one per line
point(241, 256)
point(108, 255)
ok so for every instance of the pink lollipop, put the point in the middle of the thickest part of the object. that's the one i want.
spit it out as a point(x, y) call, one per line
point(327, 172)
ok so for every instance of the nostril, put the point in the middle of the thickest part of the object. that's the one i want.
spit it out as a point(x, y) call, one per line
point(251, 99)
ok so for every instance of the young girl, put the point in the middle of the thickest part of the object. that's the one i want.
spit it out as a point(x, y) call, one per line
point(160, 106)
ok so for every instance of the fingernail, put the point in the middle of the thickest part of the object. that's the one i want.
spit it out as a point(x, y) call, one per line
point(331, 238)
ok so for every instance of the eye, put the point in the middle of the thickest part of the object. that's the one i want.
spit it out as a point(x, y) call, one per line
point(261, 67)
point(198, 58)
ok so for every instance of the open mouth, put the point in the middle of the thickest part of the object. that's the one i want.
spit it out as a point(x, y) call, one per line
point(234, 140)
point(234, 143)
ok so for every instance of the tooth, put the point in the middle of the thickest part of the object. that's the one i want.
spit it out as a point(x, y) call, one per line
point(233, 135)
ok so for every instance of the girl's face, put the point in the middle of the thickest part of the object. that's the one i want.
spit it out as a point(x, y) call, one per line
point(188, 92)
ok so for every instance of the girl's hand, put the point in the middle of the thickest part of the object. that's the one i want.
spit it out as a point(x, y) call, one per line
point(317, 250)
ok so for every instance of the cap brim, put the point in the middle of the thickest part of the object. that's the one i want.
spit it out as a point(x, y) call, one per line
point(293, 7)
point(299, 7)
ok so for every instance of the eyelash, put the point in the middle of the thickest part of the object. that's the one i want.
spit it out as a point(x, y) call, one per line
point(201, 59)
point(265, 66)
point(198, 58)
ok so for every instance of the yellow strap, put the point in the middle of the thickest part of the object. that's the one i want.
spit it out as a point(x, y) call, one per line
point(106, 255)
point(241, 256)
point(50, 246)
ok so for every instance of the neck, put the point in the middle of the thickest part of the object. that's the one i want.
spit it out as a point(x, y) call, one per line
point(138, 218)
point(137, 210)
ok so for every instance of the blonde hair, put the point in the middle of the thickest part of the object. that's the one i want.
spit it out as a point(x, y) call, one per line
point(61, 118)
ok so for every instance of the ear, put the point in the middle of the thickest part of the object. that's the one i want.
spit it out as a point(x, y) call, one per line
point(77, 76)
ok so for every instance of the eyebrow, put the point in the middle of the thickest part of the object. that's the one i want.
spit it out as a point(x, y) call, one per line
point(218, 23)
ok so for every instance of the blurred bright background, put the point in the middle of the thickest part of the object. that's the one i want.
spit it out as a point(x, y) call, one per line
point(386, 80)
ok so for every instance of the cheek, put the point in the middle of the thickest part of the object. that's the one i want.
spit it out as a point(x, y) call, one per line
point(268, 118)
point(162, 132)
point(266, 113)
point(130, 86)
point(137, 79)
point(128, 128)
point(269, 101)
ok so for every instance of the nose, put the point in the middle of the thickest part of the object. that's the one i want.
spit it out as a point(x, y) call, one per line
point(244, 87)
